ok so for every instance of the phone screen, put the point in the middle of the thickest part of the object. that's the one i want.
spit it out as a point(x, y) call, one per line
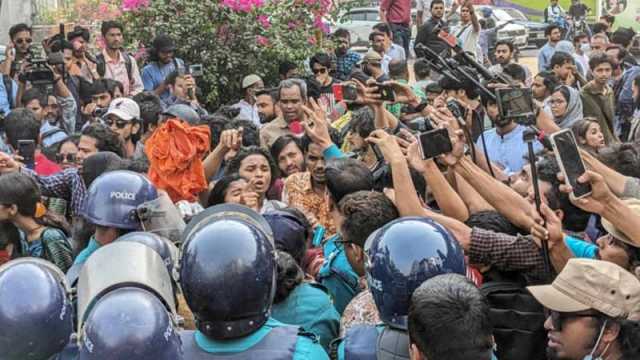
point(386, 92)
point(349, 92)
point(566, 151)
point(27, 149)
point(434, 143)
point(515, 102)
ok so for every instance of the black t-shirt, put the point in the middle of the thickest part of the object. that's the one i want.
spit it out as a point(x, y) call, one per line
point(428, 38)
point(578, 10)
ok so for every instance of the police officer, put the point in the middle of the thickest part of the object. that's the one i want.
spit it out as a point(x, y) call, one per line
point(35, 311)
point(228, 276)
point(129, 323)
point(400, 256)
point(111, 205)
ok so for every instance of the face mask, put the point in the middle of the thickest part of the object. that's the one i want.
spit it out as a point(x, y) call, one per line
point(585, 48)
point(590, 356)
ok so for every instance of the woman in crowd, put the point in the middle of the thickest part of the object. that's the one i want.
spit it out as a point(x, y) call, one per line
point(303, 303)
point(67, 152)
point(634, 133)
point(257, 166)
point(588, 134)
point(566, 106)
point(228, 190)
point(41, 234)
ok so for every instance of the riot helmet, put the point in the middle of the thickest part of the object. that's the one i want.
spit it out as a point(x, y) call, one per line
point(402, 255)
point(228, 272)
point(35, 310)
point(113, 198)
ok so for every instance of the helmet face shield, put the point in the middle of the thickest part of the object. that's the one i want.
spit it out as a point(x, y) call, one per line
point(161, 217)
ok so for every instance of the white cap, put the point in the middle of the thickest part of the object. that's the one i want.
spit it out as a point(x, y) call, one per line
point(124, 108)
point(250, 80)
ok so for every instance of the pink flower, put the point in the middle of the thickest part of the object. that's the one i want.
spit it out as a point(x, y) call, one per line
point(292, 25)
point(243, 5)
point(312, 40)
point(133, 5)
point(318, 23)
point(262, 41)
point(103, 8)
point(310, 2)
point(264, 21)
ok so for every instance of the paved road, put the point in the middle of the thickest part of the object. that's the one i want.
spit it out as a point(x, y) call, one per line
point(529, 58)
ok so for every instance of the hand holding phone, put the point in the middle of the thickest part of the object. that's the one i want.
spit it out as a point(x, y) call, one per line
point(386, 92)
point(570, 162)
point(345, 92)
point(434, 143)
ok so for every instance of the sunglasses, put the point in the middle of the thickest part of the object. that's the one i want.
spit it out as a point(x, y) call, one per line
point(558, 318)
point(321, 70)
point(120, 124)
point(24, 41)
point(70, 158)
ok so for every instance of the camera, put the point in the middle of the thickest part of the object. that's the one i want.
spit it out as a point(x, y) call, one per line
point(39, 73)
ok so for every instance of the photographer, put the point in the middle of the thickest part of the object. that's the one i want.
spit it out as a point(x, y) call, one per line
point(182, 88)
point(85, 65)
point(17, 50)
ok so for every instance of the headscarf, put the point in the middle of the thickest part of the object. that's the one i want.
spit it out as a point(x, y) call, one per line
point(574, 109)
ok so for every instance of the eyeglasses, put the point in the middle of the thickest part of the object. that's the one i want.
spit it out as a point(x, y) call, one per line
point(558, 318)
point(320, 70)
point(24, 41)
point(70, 158)
point(120, 124)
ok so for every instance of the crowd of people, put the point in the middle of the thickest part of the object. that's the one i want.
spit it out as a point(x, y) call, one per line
point(303, 221)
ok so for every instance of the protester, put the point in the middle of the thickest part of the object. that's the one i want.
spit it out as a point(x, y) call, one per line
point(248, 109)
point(426, 32)
point(597, 96)
point(113, 63)
point(288, 153)
point(67, 153)
point(292, 94)
point(468, 30)
point(397, 14)
point(566, 106)
point(554, 35)
point(346, 59)
point(162, 63)
point(589, 134)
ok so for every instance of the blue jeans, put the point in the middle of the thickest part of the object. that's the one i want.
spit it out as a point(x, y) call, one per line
point(401, 36)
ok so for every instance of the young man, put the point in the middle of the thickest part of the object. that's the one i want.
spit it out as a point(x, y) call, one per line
point(113, 63)
point(389, 50)
point(22, 124)
point(321, 85)
point(162, 63)
point(371, 64)
point(288, 70)
point(21, 37)
point(564, 67)
point(346, 59)
point(96, 138)
point(84, 62)
point(578, 10)
point(248, 110)
point(553, 12)
point(449, 320)
point(292, 95)
point(182, 88)
point(468, 31)
point(397, 13)
point(592, 306)
point(505, 144)
point(426, 34)
point(597, 96)
point(307, 191)
point(554, 35)
point(266, 103)
point(583, 50)
point(504, 55)
point(123, 118)
point(624, 74)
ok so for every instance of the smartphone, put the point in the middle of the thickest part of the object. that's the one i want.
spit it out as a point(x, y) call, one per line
point(566, 150)
point(345, 92)
point(514, 102)
point(196, 70)
point(27, 150)
point(386, 92)
point(435, 142)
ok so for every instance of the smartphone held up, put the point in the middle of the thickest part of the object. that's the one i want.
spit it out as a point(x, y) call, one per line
point(570, 162)
point(435, 143)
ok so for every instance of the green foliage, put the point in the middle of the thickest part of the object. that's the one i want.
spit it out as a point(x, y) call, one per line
point(230, 43)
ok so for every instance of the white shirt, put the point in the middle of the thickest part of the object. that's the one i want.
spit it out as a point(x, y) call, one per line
point(248, 112)
point(395, 53)
point(467, 36)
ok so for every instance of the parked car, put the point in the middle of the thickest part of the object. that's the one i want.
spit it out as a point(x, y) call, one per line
point(536, 29)
point(518, 34)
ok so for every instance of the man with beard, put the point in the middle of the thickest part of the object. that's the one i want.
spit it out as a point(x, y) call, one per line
point(162, 64)
point(504, 55)
point(504, 142)
point(554, 35)
point(123, 118)
point(427, 32)
point(113, 63)
point(346, 59)
point(17, 50)
point(85, 63)
point(266, 100)
point(307, 191)
point(592, 309)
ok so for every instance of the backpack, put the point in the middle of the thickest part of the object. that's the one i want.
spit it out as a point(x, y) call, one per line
point(101, 64)
point(8, 86)
point(517, 318)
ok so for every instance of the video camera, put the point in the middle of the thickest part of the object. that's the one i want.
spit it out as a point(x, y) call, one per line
point(513, 101)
